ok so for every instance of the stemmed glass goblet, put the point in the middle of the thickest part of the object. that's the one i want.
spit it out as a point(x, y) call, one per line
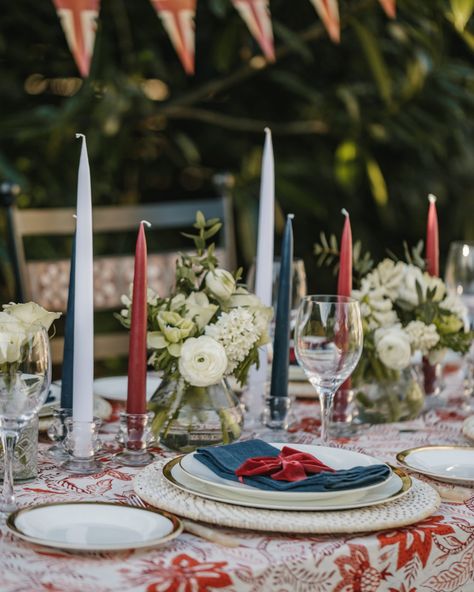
point(25, 377)
point(328, 345)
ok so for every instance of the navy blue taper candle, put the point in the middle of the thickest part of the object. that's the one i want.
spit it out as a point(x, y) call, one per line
point(281, 343)
point(68, 353)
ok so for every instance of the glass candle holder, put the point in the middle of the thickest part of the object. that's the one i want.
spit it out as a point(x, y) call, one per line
point(136, 436)
point(82, 443)
point(57, 433)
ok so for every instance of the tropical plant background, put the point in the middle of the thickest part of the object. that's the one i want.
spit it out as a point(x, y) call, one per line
point(373, 124)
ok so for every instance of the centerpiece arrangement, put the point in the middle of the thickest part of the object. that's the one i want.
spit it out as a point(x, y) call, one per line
point(407, 315)
point(208, 330)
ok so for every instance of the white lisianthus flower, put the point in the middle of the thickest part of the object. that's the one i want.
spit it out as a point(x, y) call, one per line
point(237, 333)
point(393, 347)
point(203, 361)
point(414, 276)
point(376, 308)
point(387, 275)
point(31, 313)
point(422, 337)
point(13, 337)
point(242, 297)
point(430, 283)
point(220, 283)
point(199, 309)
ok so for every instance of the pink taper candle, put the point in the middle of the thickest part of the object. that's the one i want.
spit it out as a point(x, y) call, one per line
point(432, 239)
point(137, 360)
point(344, 280)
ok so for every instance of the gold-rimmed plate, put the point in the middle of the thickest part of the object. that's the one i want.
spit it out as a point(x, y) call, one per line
point(396, 487)
point(93, 526)
point(452, 464)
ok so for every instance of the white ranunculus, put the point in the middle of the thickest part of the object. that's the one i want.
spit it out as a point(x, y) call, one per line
point(387, 275)
point(199, 309)
point(393, 347)
point(220, 283)
point(31, 313)
point(203, 361)
point(13, 337)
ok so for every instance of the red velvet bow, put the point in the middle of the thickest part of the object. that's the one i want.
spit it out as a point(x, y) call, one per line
point(289, 465)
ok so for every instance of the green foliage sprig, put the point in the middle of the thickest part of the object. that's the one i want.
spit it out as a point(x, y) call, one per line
point(328, 252)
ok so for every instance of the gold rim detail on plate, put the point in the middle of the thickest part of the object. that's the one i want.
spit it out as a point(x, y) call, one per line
point(167, 474)
point(402, 456)
point(177, 526)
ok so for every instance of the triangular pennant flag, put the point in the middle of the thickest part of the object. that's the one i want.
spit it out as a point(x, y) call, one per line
point(328, 11)
point(256, 14)
point(390, 7)
point(79, 22)
point(177, 17)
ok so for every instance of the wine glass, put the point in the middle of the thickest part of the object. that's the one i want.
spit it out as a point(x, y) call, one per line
point(328, 345)
point(25, 377)
point(460, 281)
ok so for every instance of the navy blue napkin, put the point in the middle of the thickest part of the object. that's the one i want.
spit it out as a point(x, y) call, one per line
point(225, 460)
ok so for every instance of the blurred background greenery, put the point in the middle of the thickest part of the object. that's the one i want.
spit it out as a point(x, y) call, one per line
point(373, 124)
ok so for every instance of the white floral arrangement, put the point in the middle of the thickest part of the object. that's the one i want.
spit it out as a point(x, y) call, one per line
point(404, 310)
point(17, 322)
point(210, 327)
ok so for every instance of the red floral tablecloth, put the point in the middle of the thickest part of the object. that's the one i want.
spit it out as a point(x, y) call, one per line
point(434, 555)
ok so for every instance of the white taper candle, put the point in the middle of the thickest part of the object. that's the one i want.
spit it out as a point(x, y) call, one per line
point(83, 377)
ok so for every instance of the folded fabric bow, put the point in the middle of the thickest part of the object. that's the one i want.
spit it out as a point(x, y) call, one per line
point(289, 465)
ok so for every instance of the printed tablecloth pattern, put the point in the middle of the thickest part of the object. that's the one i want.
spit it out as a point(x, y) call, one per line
point(434, 555)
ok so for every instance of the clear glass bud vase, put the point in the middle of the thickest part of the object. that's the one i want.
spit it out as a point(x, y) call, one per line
point(25, 460)
point(187, 417)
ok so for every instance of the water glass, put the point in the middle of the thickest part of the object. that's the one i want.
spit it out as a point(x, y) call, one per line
point(328, 346)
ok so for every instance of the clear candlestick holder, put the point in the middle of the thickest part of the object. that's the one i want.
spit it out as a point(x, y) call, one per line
point(277, 412)
point(136, 436)
point(82, 443)
point(57, 433)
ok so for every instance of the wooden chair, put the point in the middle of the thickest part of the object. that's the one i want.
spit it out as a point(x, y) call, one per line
point(46, 281)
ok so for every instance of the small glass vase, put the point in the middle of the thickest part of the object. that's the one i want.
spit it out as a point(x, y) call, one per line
point(25, 460)
point(188, 417)
point(398, 398)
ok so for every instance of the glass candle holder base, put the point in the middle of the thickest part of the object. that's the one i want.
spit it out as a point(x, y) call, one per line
point(82, 443)
point(136, 435)
point(57, 433)
point(276, 413)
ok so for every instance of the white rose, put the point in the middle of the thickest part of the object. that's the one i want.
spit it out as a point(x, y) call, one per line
point(220, 283)
point(203, 361)
point(199, 309)
point(31, 313)
point(12, 338)
point(393, 347)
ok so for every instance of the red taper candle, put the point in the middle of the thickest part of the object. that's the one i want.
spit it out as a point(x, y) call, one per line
point(432, 239)
point(137, 358)
point(344, 280)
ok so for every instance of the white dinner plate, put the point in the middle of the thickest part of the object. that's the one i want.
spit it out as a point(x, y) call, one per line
point(397, 486)
point(114, 388)
point(93, 526)
point(453, 464)
point(336, 458)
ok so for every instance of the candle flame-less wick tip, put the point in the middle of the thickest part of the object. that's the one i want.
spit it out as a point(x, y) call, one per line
point(74, 216)
point(146, 223)
point(290, 217)
point(267, 131)
point(432, 198)
point(344, 212)
point(80, 136)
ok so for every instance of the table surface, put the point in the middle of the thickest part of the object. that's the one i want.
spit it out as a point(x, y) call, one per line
point(436, 554)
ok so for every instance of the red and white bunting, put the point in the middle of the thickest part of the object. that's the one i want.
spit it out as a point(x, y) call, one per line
point(177, 17)
point(256, 14)
point(79, 22)
point(390, 7)
point(328, 11)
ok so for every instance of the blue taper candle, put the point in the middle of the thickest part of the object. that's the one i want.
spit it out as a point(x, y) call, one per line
point(281, 343)
point(68, 352)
